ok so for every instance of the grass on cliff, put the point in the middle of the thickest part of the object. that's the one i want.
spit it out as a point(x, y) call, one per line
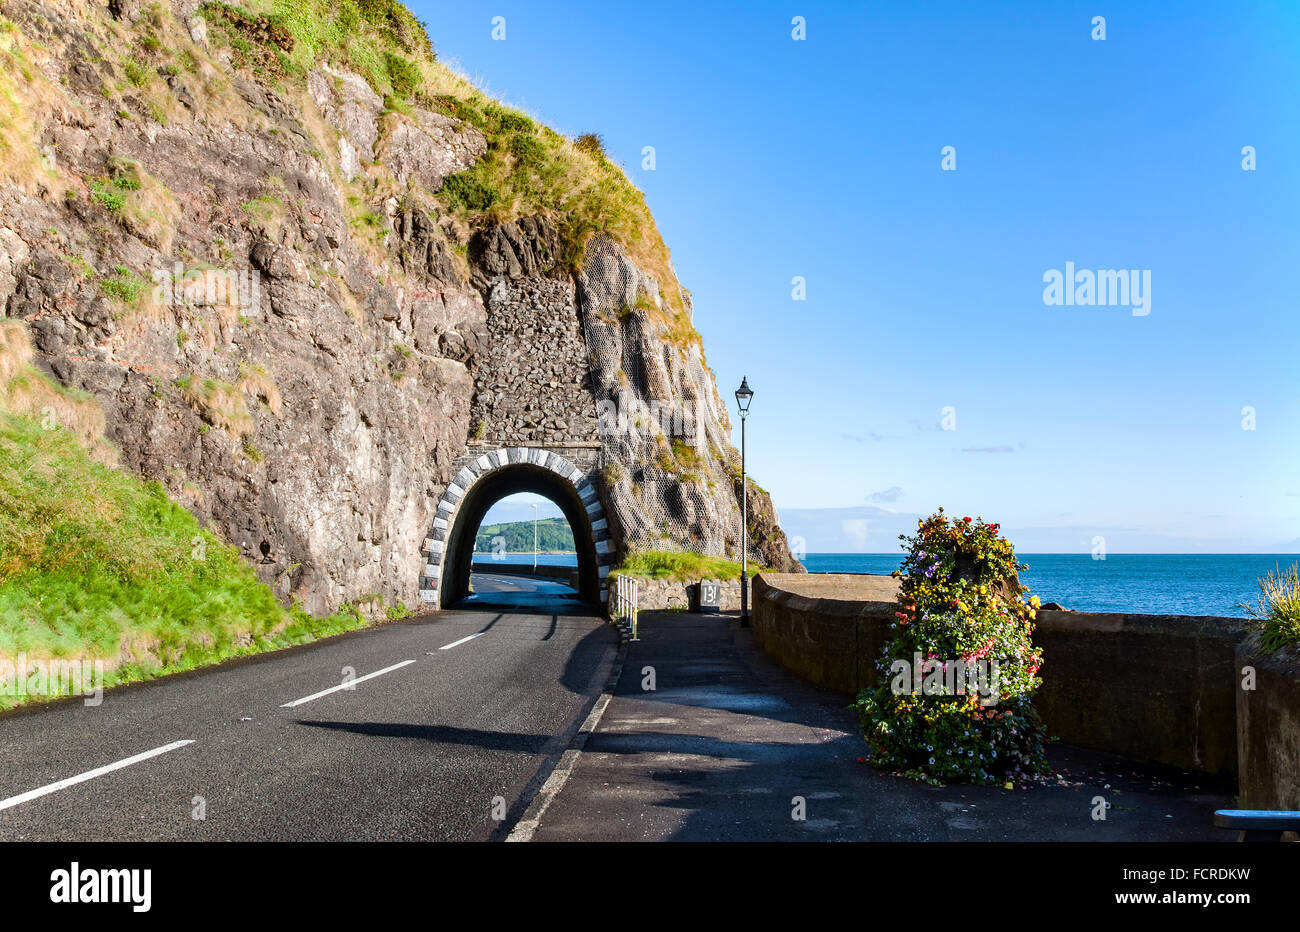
point(680, 566)
point(98, 565)
point(1276, 616)
point(528, 169)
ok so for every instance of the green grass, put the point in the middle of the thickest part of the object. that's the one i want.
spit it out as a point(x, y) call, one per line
point(124, 285)
point(468, 192)
point(680, 566)
point(1276, 617)
point(96, 564)
point(108, 196)
point(138, 74)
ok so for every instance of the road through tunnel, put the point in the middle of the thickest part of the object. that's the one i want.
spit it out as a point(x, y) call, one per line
point(484, 482)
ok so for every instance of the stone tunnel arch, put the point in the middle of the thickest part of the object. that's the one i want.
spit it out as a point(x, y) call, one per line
point(485, 480)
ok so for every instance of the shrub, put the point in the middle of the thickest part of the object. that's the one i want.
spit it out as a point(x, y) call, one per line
point(509, 121)
point(592, 144)
point(464, 190)
point(954, 699)
point(528, 152)
point(124, 285)
point(1276, 617)
point(138, 74)
point(108, 196)
point(403, 74)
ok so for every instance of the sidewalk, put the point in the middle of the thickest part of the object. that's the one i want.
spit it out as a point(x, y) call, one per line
point(726, 740)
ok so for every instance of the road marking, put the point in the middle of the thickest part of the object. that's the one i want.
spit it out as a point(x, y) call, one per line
point(90, 775)
point(527, 826)
point(348, 685)
point(462, 641)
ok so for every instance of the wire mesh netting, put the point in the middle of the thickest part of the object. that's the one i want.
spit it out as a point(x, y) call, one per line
point(666, 454)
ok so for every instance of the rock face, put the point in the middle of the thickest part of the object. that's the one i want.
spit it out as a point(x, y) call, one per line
point(302, 354)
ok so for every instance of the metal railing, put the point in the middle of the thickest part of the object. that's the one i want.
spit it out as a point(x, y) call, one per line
point(622, 605)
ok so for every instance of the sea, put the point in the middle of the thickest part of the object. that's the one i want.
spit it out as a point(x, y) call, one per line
point(1150, 583)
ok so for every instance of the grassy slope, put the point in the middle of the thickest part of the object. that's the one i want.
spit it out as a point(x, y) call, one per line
point(680, 566)
point(96, 564)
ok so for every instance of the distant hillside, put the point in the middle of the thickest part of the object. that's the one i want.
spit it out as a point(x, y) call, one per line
point(553, 536)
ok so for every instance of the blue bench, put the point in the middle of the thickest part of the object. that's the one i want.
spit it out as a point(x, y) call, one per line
point(1258, 824)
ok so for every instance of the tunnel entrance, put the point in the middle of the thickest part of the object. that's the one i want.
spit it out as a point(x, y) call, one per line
point(484, 482)
point(524, 558)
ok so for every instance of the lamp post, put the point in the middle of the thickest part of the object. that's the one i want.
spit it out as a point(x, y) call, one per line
point(743, 396)
point(534, 538)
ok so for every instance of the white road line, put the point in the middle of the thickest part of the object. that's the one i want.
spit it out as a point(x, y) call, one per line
point(461, 641)
point(348, 685)
point(527, 826)
point(90, 775)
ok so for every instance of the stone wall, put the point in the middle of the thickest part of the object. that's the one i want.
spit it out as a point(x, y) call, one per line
point(657, 595)
point(1268, 727)
point(532, 383)
point(1149, 687)
point(1160, 688)
point(827, 628)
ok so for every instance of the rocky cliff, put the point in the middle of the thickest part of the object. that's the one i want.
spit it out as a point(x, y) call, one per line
point(306, 272)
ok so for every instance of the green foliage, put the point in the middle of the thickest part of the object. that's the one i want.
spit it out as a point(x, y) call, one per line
point(591, 143)
point(138, 74)
point(467, 191)
point(954, 697)
point(530, 155)
point(680, 566)
point(1276, 617)
point(398, 612)
point(459, 108)
point(375, 38)
point(403, 75)
point(108, 195)
point(124, 285)
point(503, 121)
point(97, 564)
point(553, 536)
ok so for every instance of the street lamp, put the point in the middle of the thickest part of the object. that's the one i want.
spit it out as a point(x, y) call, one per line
point(743, 397)
point(534, 538)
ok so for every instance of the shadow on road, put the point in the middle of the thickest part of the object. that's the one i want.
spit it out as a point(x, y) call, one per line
point(442, 734)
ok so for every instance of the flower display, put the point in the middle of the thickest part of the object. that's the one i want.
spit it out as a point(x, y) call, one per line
point(953, 701)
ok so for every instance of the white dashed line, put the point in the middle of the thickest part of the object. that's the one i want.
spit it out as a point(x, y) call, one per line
point(90, 775)
point(461, 641)
point(348, 685)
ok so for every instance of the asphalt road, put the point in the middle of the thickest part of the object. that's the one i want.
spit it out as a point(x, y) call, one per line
point(470, 712)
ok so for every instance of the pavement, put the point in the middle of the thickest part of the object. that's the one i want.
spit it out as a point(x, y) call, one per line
point(467, 715)
point(727, 743)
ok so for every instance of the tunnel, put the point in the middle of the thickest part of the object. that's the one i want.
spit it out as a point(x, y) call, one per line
point(492, 485)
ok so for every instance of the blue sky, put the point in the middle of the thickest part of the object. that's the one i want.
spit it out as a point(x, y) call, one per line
point(821, 158)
